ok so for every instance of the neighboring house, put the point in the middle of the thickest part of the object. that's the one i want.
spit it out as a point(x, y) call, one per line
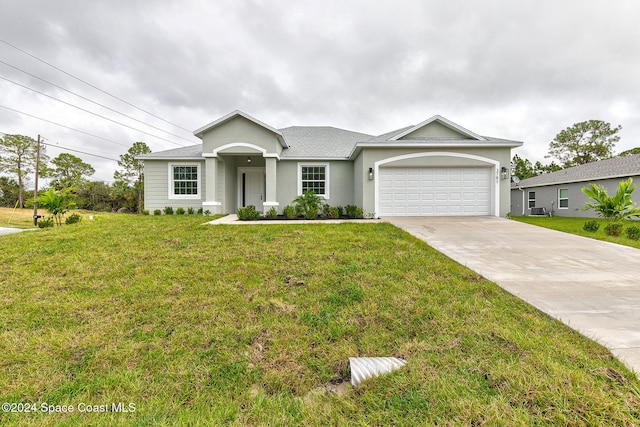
point(434, 168)
point(560, 193)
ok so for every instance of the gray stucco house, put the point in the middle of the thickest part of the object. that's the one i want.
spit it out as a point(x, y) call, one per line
point(560, 193)
point(434, 168)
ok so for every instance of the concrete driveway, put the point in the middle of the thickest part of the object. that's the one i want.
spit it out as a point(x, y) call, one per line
point(590, 285)
point(8, 230)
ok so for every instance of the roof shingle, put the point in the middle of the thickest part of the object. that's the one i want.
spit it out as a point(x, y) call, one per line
point(611, 168)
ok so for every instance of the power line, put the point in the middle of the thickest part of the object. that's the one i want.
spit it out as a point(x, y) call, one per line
point(66, 148)
point(93, 102)
point(61, 125)
point(90, 112)
point(78, 151)
point(93, 86)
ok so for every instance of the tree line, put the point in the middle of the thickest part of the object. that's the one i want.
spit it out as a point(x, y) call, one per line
point(581, 143)
point(68, 173)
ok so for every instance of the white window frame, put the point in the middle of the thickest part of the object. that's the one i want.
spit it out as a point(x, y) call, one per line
point(327, 181)
point(196, 196)
point(529, 199)
point(563, 198)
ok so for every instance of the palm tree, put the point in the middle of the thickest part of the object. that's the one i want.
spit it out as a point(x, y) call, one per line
point(613, 208)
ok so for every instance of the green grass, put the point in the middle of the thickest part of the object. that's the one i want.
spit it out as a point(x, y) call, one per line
point(253, 325)
point(574, 226)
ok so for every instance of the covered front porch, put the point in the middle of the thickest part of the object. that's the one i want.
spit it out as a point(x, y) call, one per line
point(240, 175)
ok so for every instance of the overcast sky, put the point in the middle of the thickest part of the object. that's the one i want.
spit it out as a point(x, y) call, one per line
point(521, 70)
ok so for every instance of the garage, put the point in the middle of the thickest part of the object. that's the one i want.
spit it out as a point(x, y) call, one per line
point(434, 191)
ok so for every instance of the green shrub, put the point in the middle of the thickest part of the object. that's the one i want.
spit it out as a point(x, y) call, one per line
point(199, 211)
point(632, 232)
point(613, 229)
point(145, 212)
point(180, 211)
point(308, 204)
point(334, 212)
point(272, 213)
point(354, 212)
point(168, 210)
point(290, 212)
point(311, 213)
point(207, 212)
point(591, 226)
point(190, 211)
point(72, 219)
point(157, 212)
point(45, 222)
point(325, 210)
point(340, 211)
point(248, 213)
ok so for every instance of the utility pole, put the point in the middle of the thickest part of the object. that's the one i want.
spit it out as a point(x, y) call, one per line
point(35, 191)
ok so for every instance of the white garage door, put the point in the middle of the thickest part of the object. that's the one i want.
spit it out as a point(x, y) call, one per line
point(434, 191)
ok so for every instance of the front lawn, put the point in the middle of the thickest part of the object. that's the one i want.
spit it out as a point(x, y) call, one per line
point(253, 325)
point(574, 226)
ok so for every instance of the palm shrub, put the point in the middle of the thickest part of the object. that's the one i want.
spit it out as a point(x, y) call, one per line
point(308, 204)
point(168, 210)
point(180, 211)
point(57, 202)
point(612, 208)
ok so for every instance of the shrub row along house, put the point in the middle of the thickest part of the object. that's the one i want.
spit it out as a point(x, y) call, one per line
point(560, 193)
point(434, 168)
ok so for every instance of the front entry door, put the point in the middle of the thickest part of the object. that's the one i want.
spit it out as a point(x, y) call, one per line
point(252, 190)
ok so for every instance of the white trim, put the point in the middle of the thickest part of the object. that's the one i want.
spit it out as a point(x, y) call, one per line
point(327, 181)
point(239, 144)
point(239, 173)
point(447, 123)
point(171, 195)
point(563, 198)
point(495, 163)
point(441, 144)
point(529, 199)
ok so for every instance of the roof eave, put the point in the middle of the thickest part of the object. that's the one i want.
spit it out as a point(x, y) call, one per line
point(168, 158)
point(573, 181)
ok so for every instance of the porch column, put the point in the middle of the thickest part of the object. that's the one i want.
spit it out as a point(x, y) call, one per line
point(210, 201)
point(270, 184)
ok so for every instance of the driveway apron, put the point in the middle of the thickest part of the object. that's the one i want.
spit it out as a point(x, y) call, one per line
point(590, 285)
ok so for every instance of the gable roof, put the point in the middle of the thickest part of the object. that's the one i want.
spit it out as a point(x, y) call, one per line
point(439, 119)
point(618, 167)
point(237, 113)
point(327, 142)
point(323, 142)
